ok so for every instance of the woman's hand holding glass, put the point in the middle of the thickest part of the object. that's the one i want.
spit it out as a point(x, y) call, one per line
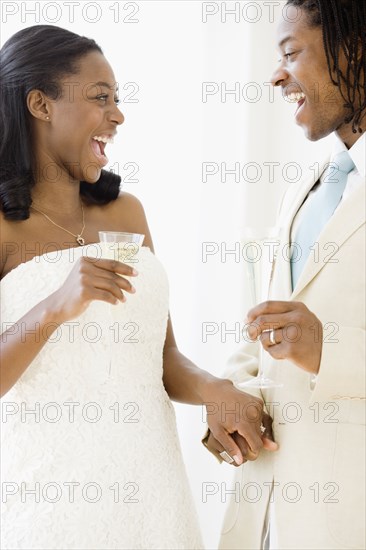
point(91, 279)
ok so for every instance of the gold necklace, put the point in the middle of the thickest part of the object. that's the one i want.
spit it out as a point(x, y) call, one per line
point(79, 239)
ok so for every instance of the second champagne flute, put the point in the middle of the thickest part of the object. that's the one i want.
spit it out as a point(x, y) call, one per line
point(255, 242)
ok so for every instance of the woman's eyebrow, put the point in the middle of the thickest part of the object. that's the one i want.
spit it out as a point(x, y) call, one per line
point(102, 83)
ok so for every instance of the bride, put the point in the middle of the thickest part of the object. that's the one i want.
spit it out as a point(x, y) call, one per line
point(90, 458)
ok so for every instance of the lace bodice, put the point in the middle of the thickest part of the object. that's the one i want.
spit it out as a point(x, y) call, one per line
point(94, 439)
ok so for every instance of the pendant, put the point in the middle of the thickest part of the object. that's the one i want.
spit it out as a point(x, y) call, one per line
point(80, 240)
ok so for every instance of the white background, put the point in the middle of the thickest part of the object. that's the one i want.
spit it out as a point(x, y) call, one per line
point(169, 52)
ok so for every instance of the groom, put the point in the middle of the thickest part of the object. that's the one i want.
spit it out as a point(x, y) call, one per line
point(310, 493)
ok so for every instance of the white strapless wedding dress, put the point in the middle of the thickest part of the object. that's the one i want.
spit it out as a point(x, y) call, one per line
point(90, 459)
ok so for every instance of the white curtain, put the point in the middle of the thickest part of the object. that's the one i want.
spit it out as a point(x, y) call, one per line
point(209, 149)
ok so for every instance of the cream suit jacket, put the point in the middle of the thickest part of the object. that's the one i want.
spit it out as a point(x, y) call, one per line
point(317, 475)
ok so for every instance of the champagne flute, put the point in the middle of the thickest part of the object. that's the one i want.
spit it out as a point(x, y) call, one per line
point(255, 248)
point(123, 247)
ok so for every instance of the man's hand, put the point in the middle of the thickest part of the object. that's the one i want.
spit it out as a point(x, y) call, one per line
point(231, 411)
point(296, 331)
point(215, 447)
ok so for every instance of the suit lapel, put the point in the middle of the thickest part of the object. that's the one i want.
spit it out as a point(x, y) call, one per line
point(348, 218)
point(281, 289)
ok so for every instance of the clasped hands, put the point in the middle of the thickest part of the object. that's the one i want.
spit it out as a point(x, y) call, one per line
point(234, 417)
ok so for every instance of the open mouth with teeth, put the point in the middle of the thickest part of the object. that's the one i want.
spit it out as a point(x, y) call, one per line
point(297, 97)
point(98, 144)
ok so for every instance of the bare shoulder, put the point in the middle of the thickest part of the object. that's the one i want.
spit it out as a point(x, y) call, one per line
point(129, 205)
point(7, 239)
point(129, 214)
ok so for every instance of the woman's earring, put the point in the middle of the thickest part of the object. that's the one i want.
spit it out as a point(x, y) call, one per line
point(47, 118)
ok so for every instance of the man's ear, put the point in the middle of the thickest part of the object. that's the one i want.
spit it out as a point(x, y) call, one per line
point(39, 105)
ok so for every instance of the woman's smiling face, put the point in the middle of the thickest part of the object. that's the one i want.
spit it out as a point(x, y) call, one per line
point(86, 110)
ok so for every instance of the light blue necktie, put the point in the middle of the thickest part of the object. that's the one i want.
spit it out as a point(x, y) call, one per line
point(318, 209)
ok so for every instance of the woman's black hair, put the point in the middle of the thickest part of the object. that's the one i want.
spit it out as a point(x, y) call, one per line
point(37, 58)
point(343, 23)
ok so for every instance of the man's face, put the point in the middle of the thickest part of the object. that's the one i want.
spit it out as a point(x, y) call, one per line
point(303, 69)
